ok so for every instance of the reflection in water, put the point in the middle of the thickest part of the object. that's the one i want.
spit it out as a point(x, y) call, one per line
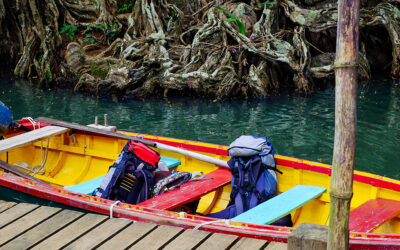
point(297, 126)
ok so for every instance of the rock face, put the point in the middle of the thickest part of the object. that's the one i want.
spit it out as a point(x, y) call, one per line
point(236, 49)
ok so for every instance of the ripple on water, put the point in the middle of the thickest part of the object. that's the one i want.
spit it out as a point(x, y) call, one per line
point(297, 126)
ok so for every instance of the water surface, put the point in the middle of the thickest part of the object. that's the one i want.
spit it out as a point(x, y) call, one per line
point(302, 127)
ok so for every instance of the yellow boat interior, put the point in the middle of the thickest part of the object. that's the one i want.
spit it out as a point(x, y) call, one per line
point(69, 159)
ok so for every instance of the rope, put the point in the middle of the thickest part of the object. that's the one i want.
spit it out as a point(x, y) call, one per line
point(31, 121)
point(227, 222)
point(39, 168)
point(111, 208)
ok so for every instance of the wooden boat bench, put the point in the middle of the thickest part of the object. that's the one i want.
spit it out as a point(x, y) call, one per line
point(89, 186)
point(190, 191)
point(372, 214)
point(29, 137)
point(280, 205)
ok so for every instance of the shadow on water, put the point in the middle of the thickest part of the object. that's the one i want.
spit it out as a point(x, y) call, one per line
point(297, 126)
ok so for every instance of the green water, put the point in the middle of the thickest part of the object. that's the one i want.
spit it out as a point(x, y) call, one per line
point(302, 127)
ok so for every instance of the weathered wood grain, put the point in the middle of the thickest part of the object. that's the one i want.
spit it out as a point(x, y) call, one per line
point(218, 241)
point(26, 222)
point(308, 237)
point(43, 230)
point(128, 236)
point(189, 239)
point(15, 212)
point(4, 205)
point(158, 238)
point(276, 246)
point(99, 234)
point(71, 232)
point(249, 243)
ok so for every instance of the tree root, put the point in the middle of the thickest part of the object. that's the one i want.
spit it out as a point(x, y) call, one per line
point(163, 48)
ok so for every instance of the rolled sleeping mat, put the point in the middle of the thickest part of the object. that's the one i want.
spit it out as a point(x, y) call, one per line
point(6, 118)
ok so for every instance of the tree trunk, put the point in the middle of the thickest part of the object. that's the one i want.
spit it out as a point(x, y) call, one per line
point(345, 123)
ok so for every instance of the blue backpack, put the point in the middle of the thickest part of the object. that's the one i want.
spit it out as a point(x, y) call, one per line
point(5, 118)
point(130, 179)
point(254, 180)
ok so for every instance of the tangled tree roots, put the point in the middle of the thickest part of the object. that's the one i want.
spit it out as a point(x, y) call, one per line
point(187, 47)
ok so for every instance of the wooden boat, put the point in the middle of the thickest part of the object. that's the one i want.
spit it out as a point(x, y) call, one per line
point(76, 155)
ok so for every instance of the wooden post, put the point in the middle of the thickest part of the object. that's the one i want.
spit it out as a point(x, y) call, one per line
point(308, 237)
point(341, 187)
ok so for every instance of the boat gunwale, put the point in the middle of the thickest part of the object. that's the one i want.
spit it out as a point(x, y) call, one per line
point(164, 217)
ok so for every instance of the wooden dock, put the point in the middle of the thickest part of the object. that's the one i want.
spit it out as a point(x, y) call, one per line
point(24, 225)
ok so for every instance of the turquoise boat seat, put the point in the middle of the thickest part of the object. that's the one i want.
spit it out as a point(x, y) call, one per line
point(89, 186)
point(280, 205)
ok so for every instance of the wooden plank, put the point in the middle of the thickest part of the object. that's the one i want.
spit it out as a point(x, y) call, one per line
point(158, 238)
point(71, 232)
point(372, 214)
point(26, 222)
point(15, 212)
point(128, 236)
point(189, 239)
point(249, 243)
point(276, 246)
point(189, 191)
point(29, 137)
point(219, 241)
point(100, 234)
point(4, 205)
point(43, 230)
point(281, 205)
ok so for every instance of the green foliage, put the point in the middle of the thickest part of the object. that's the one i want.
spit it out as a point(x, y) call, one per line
point(232, 18)
point(127, 7)
point(110, 29)
point(88, 39)
point(69, 31)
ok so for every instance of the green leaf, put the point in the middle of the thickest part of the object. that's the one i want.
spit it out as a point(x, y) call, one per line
point(231, 20)
point(241, 27)
point(65, 28)
point(225, 11)
point(125, 5)
point(88, 35)
point(86, 40)
point(113, 34)
point(100, 26)
point(92, 41)
point(73, 28)
point(108, 31)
